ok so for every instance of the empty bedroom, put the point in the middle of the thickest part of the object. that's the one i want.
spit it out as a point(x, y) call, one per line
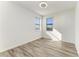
point(39, 29)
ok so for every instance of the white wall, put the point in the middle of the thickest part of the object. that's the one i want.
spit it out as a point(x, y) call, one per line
point(16, 26)
point(77, 28)
point(64, 23)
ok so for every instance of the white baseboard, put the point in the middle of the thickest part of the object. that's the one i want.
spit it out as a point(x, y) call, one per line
point(14, 46)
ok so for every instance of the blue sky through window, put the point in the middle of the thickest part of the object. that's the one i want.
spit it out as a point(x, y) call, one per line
point(49, 21)
point(49, 24)
point(37, 20)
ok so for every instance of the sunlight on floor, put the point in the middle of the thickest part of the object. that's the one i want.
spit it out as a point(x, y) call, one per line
point(54, 35)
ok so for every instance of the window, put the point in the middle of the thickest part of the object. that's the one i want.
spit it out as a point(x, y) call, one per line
point(49, 24)
point(37, 23)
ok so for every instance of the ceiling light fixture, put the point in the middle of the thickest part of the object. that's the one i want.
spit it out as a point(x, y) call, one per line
point(43, 4)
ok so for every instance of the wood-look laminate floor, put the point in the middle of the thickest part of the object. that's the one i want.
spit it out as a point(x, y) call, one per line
point(42, 48)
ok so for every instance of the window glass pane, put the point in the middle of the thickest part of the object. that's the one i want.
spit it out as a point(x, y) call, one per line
point(49, 24)
point(37, 23)
point(37, 20)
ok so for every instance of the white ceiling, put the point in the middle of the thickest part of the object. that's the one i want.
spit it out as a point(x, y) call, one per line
point(53, 6)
